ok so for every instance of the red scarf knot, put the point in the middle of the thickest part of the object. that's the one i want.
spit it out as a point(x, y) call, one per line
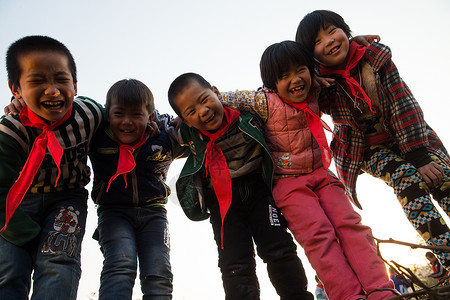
point(217, 166)
point(355, 54)
point(46, 139)
point(126, 161)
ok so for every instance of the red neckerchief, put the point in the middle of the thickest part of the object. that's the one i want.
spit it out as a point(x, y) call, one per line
point(315, 125)
point(356, 52)
point(126, 159)
point(217, 165)
point(46, 139)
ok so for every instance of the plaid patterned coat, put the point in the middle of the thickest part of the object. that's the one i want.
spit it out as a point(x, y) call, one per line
point(403, 120)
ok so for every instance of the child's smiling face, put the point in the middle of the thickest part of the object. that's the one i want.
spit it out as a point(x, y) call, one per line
point(46, 84)
point(200, 107)
point(128, 123)
point(331, 47)
point(294, 84)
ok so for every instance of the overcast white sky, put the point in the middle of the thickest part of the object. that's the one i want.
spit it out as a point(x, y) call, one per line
point(155, 41)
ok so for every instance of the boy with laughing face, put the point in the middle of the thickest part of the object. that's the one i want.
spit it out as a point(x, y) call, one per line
point(229, 173)
point(43, 200)
point(130, 162)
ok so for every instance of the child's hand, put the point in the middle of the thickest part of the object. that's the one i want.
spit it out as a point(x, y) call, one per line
point(175, 122)
point(152, 129)
point(14, 107)
point(323, 81)
point(432, 173)
point(366, 40)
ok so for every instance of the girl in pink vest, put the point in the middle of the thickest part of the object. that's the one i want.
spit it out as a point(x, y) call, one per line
point(311, 198)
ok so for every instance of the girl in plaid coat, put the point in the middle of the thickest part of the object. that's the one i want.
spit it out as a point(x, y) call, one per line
point(380, 124)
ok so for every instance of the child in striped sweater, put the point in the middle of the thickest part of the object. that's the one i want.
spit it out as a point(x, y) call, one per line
point(43, 203)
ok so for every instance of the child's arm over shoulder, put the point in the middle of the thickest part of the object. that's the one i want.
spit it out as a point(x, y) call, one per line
point(367, 39)
point(166, 122)
point(91, 102)
point(378, 55)
point(253, 101)
point(92, 110)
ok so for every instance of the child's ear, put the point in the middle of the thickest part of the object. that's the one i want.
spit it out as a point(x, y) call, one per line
point(216, 91)
point(150, 118)
point(15, 90)
point(75, 87)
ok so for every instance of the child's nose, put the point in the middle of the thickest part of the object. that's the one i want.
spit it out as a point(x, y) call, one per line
point(330, 40)
point(204, 111)
point(52, 90)
point(127, 120)
point(296, 78)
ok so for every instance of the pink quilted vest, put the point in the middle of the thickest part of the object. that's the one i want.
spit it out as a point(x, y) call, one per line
point(294, 149)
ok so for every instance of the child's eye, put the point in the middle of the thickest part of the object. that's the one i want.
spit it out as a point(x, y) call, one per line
point(36, 81)
point(62, 79)
point(316, 42)
point(285, 75)
point(333, 29)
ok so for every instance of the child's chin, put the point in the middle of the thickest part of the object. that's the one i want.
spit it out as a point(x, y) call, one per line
point(127, 141)
point(214, 124)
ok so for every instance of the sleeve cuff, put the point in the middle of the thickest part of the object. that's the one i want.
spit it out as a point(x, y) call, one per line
point(418, 157)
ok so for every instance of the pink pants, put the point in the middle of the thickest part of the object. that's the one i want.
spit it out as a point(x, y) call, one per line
point(323, 221)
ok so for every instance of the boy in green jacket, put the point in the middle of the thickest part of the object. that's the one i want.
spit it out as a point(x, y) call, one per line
point(229, 173)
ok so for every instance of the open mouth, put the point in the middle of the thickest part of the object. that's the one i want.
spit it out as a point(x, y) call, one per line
point(333, 50)
point(297, 90)
point(210, 118)
point(126, 131)
point(53, 105)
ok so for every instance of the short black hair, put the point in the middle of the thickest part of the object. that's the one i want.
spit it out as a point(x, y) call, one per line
point(32, 43)
point(180, 83)
point(311, 24)
point(279, 57)
point(132, 93)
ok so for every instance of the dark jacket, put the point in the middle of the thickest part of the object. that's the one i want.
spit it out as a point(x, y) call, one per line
point(145, 183)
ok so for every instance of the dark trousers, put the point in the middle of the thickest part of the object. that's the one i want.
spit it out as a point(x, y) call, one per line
point(253, 216)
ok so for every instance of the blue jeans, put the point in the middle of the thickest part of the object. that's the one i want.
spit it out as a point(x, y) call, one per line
point(54, 255)
point(126, 234)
